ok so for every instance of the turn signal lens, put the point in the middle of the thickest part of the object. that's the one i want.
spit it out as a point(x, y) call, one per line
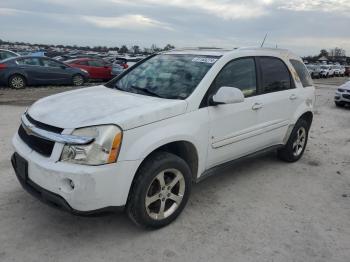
point(113, 155)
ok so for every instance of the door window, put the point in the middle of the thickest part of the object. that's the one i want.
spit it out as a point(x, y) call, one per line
point(4, 55)
point(32, 61)
point(96, 63)
point(239, 73)
point(84, 63)
point(50, 63)
point(275, 75)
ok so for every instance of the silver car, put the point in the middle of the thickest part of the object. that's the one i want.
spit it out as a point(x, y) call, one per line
point(342, 95)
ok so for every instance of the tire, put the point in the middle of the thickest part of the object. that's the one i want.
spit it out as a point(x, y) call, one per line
point(17, 82)
point(339, 104)
point(78, 80)
point(148, 187)
point(295, 147)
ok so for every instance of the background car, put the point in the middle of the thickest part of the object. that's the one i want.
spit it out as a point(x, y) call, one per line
point(337, 70)
point(117, 69)
point(122, 62)
point(314, 71)
point(326, 71)
point(4, 54)
point(342, 95)
point(22, 71)
point(97, 68)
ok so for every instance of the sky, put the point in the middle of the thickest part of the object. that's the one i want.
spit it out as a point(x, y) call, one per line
point(303, 26)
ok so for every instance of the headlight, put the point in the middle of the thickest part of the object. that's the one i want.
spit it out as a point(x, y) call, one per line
point(84, 71)
point(104, 149)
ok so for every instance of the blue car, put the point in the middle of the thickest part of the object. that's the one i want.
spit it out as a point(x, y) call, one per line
point(19, 72)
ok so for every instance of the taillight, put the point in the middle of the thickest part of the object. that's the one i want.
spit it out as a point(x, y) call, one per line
point(2, 66)
point(125, 66)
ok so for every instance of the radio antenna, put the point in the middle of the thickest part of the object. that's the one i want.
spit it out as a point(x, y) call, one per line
point(263, 42)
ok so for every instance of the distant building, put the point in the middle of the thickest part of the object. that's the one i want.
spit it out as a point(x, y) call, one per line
point(323, 59)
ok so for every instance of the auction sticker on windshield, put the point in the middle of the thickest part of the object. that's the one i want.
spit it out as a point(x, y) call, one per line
point(207, 60)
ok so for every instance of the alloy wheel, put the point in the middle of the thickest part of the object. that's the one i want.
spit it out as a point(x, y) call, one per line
point(17, 82)
point(165, 194)
point(78, 80)
point(299, 142)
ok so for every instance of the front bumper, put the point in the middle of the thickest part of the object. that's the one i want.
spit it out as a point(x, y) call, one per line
point(342, 97)
point(76, 188)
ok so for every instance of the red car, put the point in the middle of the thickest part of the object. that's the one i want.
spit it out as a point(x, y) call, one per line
point(97, 68)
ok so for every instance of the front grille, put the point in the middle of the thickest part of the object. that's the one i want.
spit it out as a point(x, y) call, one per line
point(40, 145)
point(346, 96)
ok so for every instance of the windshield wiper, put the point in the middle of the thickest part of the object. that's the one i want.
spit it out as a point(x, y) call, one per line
point(146, 91)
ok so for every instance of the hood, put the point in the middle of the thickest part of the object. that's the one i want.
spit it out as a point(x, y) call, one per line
point(345, 86)
point(101, 105)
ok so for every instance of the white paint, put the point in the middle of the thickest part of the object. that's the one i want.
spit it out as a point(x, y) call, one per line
point(228, 95)
point(219, 133)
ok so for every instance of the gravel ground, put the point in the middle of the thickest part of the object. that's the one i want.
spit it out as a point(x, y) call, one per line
point(29, 95)
point(259, 210)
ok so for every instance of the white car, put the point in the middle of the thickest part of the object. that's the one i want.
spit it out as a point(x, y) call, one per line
point(342, 95)
point(327, 71)
point(140, 141)
point(342, 71)
point(339, 70)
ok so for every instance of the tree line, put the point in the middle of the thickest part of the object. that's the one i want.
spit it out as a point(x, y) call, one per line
point(335, 54)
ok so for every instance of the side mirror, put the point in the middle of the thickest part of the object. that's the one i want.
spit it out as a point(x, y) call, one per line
point(227, 95)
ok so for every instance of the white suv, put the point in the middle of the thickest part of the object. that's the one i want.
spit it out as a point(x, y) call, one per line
point(141, 140)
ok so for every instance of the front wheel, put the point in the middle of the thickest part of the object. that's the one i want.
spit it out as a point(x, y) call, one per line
point(339, 104)
point(297, 142)
point(160, 190)
point(78, 80)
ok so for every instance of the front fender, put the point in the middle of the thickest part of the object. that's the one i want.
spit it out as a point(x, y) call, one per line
point(192, 127)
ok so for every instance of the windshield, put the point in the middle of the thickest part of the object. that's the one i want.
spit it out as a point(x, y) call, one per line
point(169, 76)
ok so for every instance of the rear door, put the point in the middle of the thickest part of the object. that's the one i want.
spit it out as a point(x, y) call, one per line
point(279, 99)
point(32, 68)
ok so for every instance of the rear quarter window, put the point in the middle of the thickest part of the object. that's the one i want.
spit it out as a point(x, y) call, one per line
point(302, 72)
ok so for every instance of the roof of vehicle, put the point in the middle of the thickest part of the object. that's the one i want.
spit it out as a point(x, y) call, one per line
point(6, 50)
point(213, 51)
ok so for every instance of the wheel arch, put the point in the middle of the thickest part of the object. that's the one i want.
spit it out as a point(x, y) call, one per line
point(181, 148)
point(16, 73)
point(308, 116)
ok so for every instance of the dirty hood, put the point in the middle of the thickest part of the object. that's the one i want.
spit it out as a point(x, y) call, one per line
point(102, 105)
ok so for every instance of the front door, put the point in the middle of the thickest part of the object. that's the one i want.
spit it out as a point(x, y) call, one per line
point(54, 72)
point(235, 128)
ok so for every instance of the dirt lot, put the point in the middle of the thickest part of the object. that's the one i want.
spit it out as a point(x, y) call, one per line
point(261, 210)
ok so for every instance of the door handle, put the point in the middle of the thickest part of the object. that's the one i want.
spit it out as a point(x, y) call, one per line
point(293, 97)
point(257, 106)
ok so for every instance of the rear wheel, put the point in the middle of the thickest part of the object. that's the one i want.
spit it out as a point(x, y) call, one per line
point(297, 142)
point(160, 191)
point(17, 82)
point(78, 80)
